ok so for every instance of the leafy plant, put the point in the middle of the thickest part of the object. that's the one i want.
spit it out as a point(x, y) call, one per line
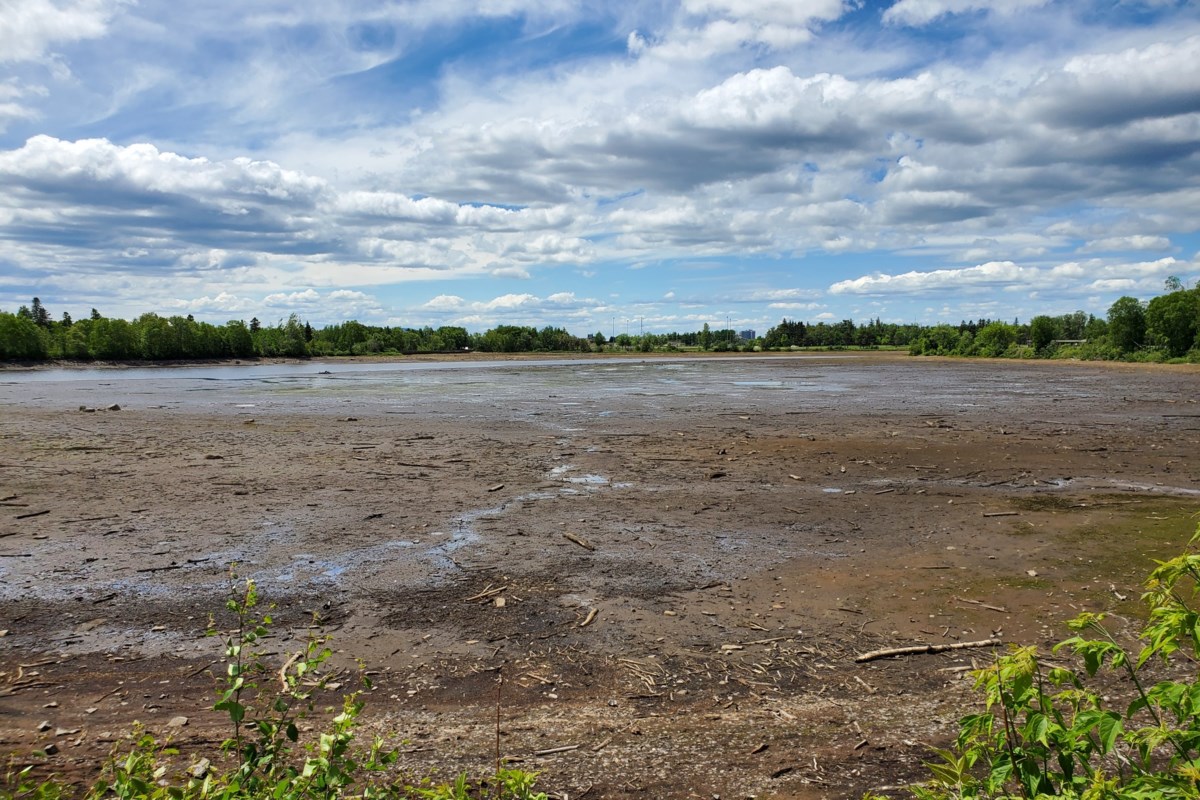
point(265, 706)
point(1045, 732)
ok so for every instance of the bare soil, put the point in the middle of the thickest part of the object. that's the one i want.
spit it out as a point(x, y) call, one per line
point(745, 540)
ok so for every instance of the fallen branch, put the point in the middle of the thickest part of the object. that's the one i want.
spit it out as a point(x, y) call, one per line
point(922, 649)
point(591, 615)
point(1002, 513)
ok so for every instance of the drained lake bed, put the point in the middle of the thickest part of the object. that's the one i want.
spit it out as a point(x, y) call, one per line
point(689, 552)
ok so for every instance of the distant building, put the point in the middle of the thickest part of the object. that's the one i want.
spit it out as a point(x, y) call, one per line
point(747, 334)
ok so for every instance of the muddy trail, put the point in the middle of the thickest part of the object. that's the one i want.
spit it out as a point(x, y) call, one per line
point(671, 565)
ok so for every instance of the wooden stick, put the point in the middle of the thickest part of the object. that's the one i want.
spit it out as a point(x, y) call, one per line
point(922, 649)
point(579, 540)
point(566, 749)
point(591, 615)
point(488, 592)
point(1002, 513)
point(982, 605)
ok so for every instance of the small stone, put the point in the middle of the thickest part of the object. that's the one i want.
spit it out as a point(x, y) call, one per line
point(177, 722)
point(50, 749)
point(669, 614)
point(200, 768)
point(113, 407)
point(87, 410)
point(89, 710)
point(1031, 573)
point(498, 602)
point(66, 731)
point(45, 725)
point(51, 704)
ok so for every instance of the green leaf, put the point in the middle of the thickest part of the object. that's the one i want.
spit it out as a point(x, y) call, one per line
point(1110, 727)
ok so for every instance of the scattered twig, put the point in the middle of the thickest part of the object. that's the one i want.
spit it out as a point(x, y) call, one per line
point(488, 592)
point(33, 514)
point(591, 615)
point(1001, 513)
point(982, 605)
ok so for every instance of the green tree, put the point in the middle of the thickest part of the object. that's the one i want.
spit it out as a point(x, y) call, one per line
point(1043, 331)
point(705, 337)
point(1127, 324)
point(994, 339)
point(1172, 321)
point(21, 338)
point(41, 317)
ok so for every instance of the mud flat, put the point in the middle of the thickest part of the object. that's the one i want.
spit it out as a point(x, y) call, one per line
point(733, 532)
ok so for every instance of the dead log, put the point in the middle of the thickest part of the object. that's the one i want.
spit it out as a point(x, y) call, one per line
point(922, 649)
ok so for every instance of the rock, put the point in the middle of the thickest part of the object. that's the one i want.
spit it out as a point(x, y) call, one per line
point(50, 749)
point(87, 410)
point(113, 407)
point(1031, 573)
point(200, 768)
point(498, 602)
point(66, 731)
point(45, 725)
point(177, 722)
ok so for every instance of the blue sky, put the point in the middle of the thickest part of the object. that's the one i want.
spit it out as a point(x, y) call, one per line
point(643, 165)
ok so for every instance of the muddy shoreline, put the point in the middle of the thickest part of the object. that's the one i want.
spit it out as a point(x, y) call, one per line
point(754, 525)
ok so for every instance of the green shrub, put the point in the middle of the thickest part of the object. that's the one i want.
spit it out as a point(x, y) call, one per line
point(264, 704)
point(1047, 732)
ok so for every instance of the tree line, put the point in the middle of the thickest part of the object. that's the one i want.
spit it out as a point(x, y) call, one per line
point(1165, 328)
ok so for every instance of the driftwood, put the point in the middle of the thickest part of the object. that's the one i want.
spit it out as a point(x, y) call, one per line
point(922, 649)
point(579, 540)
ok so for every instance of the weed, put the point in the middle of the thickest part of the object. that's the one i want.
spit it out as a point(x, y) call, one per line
point(265, 705)
point(1046, 732)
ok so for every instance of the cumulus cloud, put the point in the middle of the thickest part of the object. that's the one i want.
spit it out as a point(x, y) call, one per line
point(725, 137)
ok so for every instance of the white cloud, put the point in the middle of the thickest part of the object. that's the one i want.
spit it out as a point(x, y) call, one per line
point(444, 302)
point(1127, 243)
point(29, 28)
point(1071, 277)
point(922, 12)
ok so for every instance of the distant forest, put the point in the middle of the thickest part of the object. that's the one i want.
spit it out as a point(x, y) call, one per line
point(1167, 328)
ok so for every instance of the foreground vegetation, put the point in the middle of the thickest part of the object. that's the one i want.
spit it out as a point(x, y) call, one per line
point(1164, 329)
point(1055, 731)
point(265, 756)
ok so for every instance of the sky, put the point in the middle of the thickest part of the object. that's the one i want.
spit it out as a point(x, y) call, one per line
point(617, 167)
